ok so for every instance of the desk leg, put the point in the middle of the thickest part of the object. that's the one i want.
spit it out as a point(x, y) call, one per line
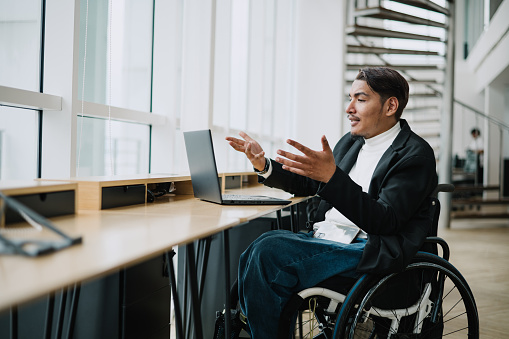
point(227, 319)
point(292, 223)
point(74, 310)
point(193, 281)
point(297, 216)
point(176, 303)
point(14, 322)
point(279, 220)
point(60, 322)
point(49, 316)
point(203, 271)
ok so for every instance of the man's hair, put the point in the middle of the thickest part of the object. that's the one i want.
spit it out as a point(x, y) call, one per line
point(476, 131)
point(387, 83)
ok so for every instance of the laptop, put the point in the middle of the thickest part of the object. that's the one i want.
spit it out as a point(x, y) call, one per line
point(204, 176)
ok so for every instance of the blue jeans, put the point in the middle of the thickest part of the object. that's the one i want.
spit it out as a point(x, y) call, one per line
point(280, 263)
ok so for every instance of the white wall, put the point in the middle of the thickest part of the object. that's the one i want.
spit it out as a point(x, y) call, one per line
point(320, 71)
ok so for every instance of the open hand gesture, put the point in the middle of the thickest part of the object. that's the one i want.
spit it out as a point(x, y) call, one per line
point(251, 148)
point(317, 165)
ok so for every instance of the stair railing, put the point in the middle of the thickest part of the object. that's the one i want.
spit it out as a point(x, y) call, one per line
point(502, 126)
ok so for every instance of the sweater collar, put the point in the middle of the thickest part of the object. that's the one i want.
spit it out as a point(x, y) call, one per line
point(382, 139)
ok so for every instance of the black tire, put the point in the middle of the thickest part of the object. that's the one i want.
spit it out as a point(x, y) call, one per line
point(453, 313)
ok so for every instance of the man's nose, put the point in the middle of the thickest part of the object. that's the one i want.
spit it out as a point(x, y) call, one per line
point(349, 108)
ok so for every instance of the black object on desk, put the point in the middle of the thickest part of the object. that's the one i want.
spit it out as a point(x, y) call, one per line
point(50, 204)
point(32, 247)
point(117, 196)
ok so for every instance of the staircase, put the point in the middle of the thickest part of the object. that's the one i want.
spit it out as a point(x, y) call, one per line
point(409, 36)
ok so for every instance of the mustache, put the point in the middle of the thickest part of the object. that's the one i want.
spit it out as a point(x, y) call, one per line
point(351, 116)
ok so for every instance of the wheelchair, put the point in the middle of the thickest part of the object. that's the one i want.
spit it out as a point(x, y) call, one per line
point(428, 299)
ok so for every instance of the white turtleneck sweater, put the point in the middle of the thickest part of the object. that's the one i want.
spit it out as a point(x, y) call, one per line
point(362, 171)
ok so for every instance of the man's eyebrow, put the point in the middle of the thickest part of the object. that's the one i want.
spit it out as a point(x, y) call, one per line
point(359, 93)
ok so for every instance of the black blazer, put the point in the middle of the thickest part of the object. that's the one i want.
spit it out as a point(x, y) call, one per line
point(395, 213)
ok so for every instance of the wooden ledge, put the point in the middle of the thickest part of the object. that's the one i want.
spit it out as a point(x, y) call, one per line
point(90, 190)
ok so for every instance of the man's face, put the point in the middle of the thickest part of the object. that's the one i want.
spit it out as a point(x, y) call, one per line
point(368, 117)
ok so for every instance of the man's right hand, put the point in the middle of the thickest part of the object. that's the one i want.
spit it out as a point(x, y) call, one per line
point(251, 148)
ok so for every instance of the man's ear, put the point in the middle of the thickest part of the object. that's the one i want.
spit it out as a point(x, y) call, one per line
point(392, 106)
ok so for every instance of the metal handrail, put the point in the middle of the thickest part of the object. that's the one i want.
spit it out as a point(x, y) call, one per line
point(476, 111)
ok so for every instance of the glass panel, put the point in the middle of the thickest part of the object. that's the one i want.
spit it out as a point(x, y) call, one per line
point(18, 143)
point(117, 65)
point(474, 23)
point(239, 63)
point(269, 36)
point(20, 41)
point(494, 5)
point(126, 152)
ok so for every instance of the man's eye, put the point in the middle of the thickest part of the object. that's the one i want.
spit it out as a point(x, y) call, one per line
point(361, 100)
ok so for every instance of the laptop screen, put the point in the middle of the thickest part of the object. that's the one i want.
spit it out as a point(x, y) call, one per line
point(202, 165)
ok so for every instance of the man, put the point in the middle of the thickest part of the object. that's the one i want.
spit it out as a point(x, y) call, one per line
point(378, 178)
point(474, 159)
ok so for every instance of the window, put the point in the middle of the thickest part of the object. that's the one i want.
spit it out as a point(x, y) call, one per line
point(20, 59)
point(474, 23)
point(254, 67)
point(122, 88)
point(20, 38)
point(115, 69)
point(19, 136)
point(124, 152)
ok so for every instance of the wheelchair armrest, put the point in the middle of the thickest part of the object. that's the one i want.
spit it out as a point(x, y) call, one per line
point(442, 243)
point(442, 188)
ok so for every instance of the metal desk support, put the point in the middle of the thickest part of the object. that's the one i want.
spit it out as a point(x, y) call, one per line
point(61, 312)
point(74, 309)
point(49, 316)
point(227, 321)
point(14, 322)
point(194, 290)
point(176, 303)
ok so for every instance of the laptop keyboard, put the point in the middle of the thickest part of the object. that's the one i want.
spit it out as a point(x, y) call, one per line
point(239, 197)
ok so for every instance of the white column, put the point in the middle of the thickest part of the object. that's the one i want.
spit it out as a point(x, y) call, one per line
point(196, 72)
point(494, 107)
point(196, 64)
point(61, 78)
point(445, 160)
point(166, 84)
point(319, 92)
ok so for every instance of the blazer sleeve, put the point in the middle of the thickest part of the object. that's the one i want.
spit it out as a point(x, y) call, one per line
point(290, 182)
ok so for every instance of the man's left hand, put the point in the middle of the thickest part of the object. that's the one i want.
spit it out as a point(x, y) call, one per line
point(317, 165)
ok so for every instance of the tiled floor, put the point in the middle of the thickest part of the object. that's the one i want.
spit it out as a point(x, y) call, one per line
point(480, 250)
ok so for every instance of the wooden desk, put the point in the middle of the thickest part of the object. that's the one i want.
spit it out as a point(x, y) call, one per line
point(119, 237)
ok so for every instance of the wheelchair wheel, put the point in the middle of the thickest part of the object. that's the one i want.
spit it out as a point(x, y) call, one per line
point(430, 299)
point(311, 314)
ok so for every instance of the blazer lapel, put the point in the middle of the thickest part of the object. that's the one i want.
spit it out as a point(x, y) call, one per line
point(345, 163)
point(350, 157)
point(387, 159)
point(381, 170)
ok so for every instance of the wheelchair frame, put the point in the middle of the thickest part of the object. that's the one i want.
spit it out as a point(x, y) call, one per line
point(357, 306)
